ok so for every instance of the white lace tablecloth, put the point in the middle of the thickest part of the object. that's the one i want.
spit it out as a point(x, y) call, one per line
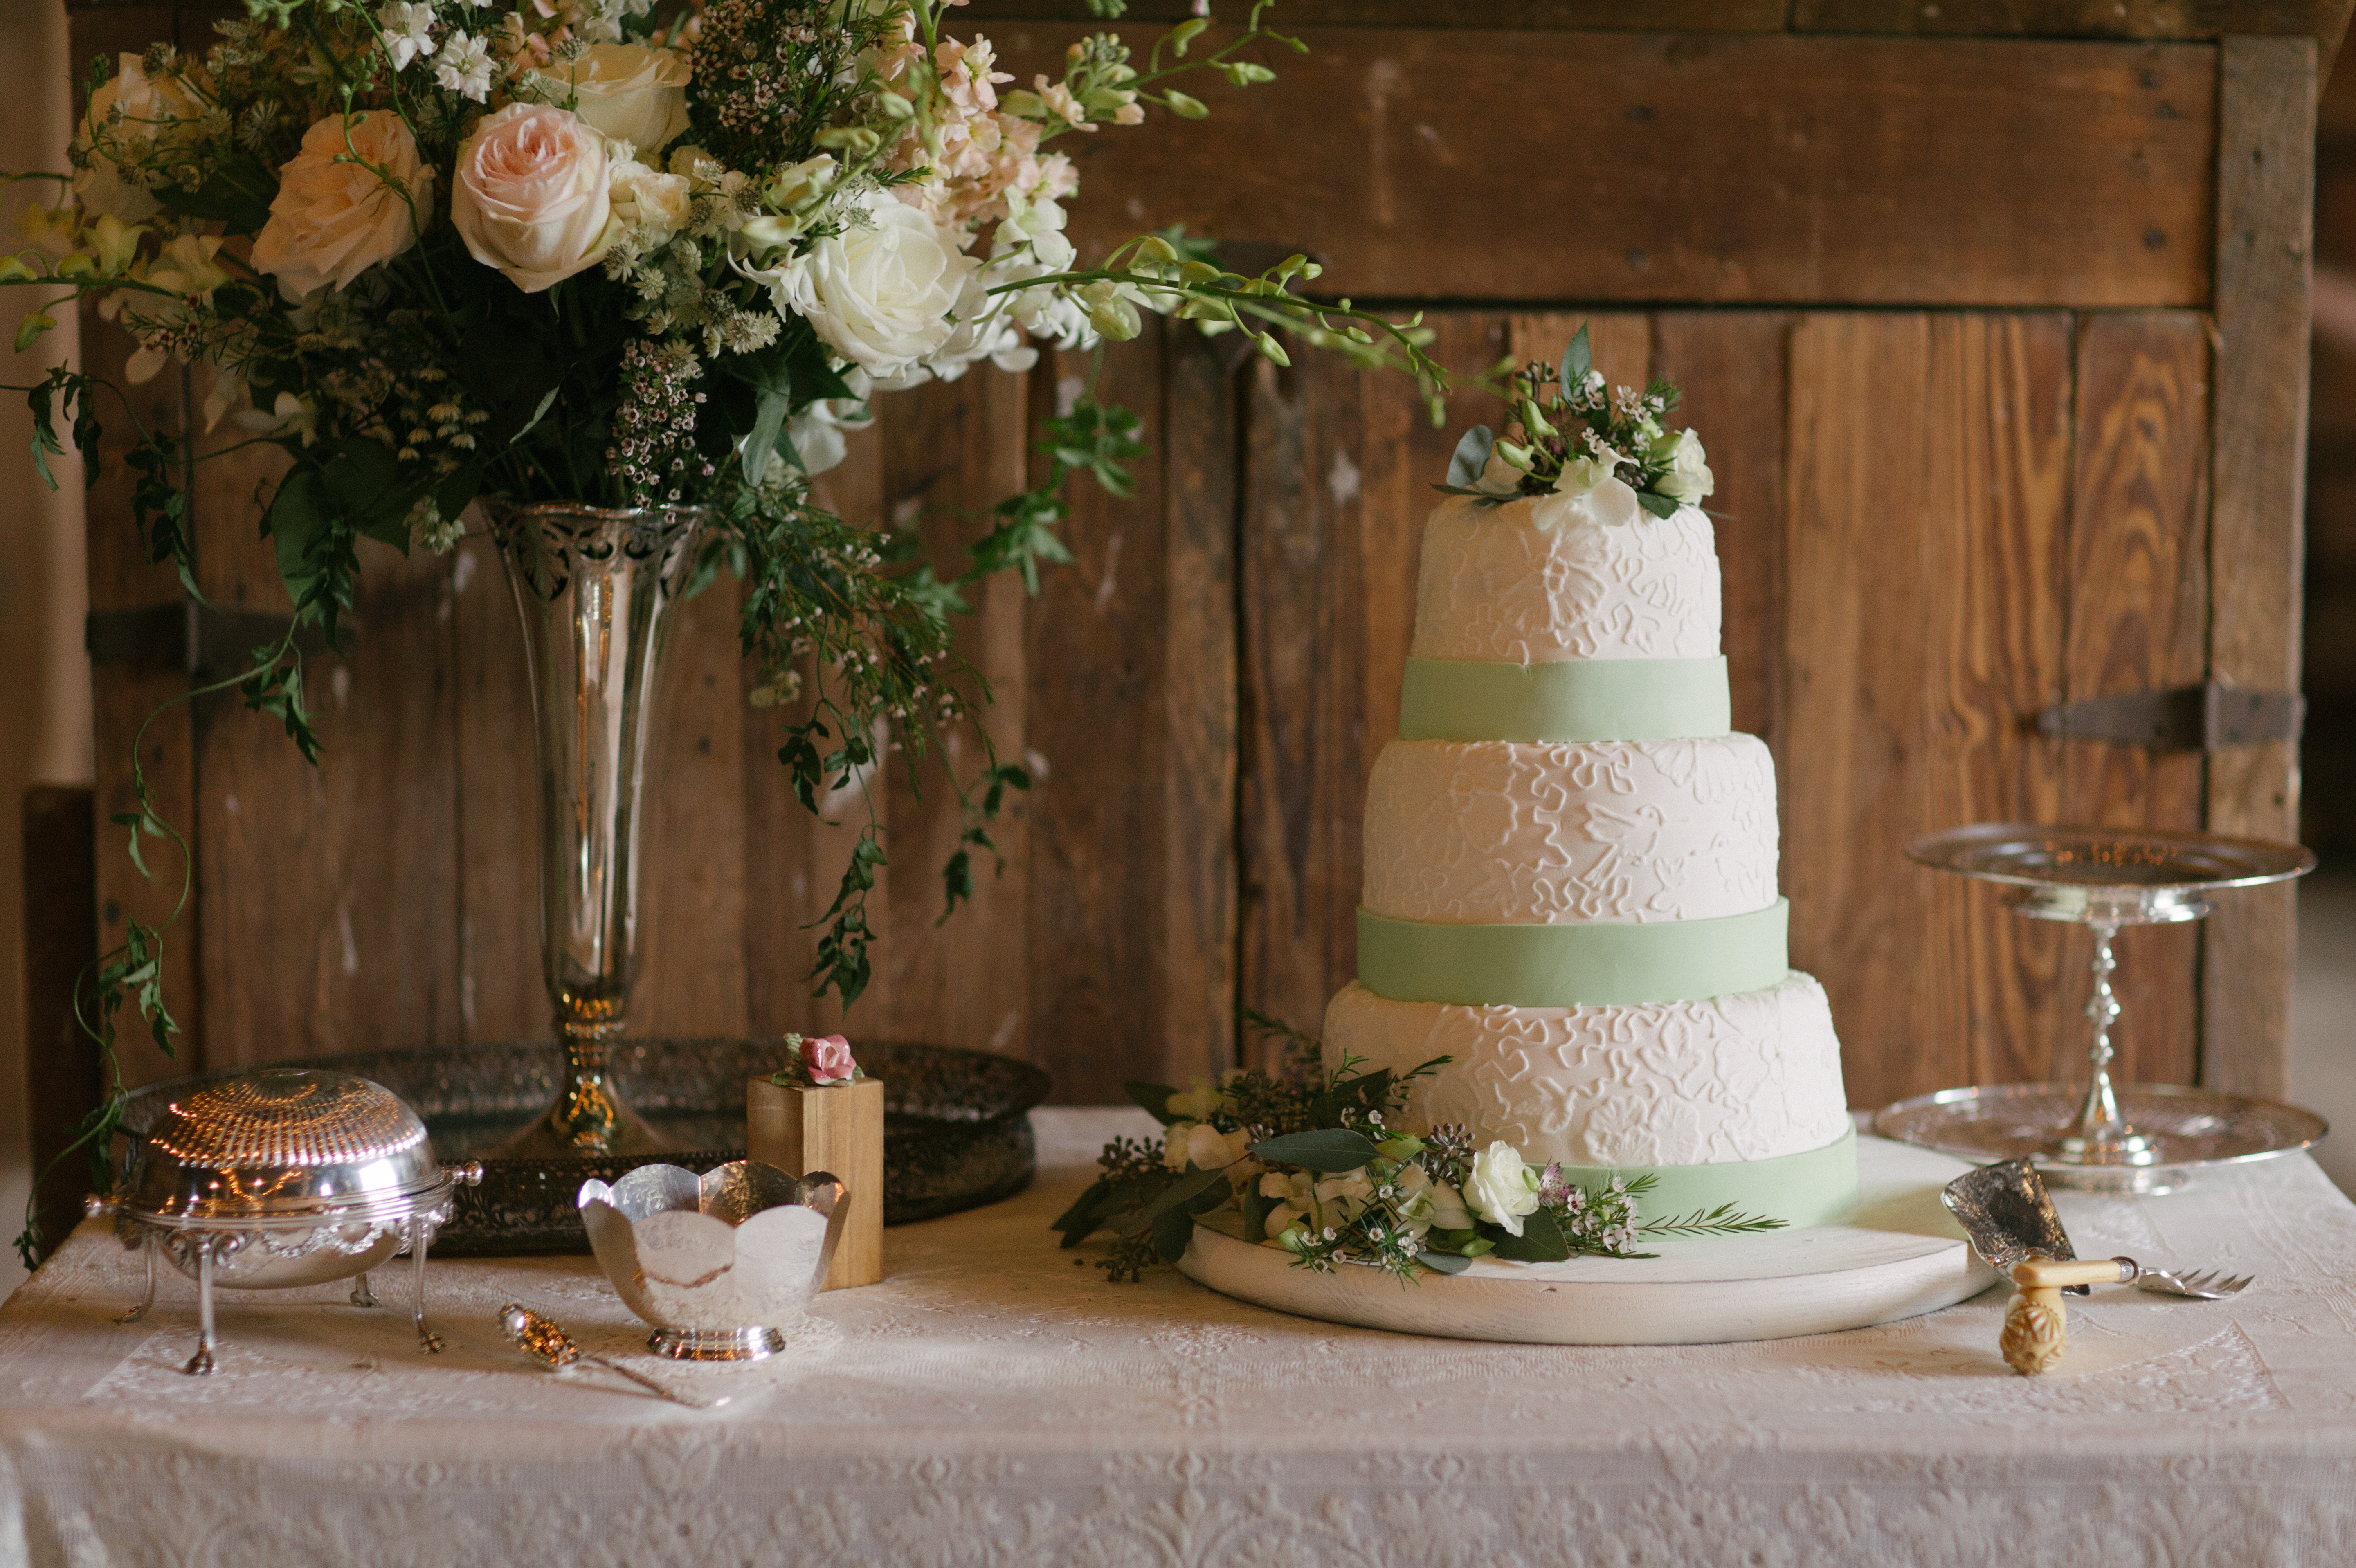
point(996, 1402)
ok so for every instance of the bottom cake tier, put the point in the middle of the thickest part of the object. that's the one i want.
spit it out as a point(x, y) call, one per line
point(1737, 1098)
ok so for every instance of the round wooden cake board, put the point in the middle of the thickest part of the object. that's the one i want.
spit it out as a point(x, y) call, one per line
point(1897, 1255)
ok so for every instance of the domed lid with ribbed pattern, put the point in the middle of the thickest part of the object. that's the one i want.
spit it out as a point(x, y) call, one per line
point(279, 1141)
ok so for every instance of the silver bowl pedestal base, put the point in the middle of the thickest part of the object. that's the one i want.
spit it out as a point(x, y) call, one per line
point(716, 1344)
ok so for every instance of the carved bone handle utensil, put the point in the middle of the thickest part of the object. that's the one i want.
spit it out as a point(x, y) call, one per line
point(537, 1335)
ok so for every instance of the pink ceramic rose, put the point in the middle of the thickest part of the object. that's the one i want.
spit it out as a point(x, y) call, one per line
point(826, 1059)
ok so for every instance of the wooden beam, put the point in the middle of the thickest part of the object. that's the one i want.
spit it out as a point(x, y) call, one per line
point(2265, 206)
point(1709, 170)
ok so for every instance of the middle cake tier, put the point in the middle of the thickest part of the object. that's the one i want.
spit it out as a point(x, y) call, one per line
point(1502, 832)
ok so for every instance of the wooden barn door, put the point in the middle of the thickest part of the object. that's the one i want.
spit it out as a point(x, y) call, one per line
point(2002, 388)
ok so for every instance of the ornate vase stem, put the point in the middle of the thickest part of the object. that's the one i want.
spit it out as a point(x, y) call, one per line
point(594, 586)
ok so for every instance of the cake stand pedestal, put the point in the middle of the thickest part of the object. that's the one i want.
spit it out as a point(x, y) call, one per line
point(1898, 1253)
point(2098, 1136)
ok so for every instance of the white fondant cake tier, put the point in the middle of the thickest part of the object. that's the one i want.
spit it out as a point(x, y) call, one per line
point(1499, 832)
point(1565, 578)
point(1752, 1075)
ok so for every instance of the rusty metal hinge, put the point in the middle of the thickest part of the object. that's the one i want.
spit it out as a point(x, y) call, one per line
point(2183, 719)
point(194, 638)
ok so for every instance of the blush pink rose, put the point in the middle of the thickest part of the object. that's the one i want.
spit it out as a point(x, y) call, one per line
point(826, 1059)
point(531, 195)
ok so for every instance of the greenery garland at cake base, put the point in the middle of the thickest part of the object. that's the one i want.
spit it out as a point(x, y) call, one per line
point(1321, 1165)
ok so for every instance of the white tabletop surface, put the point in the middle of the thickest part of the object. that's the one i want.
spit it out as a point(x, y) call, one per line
point(997, 1401)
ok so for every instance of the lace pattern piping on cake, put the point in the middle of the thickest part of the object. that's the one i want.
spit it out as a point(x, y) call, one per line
point(1498, 832)
point(1493, 585)
point(1752, 1075)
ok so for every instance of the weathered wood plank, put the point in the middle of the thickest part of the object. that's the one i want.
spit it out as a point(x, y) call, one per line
point(1660, 15)
point(1200, 707)
point(123, 697)
point(1730, 365)
point(1100, 745)
point(1927, 489)
point(1338, 469)
point(2266, 184)
point(2323, 20)
point(328, 891)
point(1710, 169)
point(2138, 610)
point(795, 859)
point(952, 450)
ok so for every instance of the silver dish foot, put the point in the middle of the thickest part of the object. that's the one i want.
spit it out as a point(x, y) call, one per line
point(362, 1295)
point(419, 1237)
point(147, 1300)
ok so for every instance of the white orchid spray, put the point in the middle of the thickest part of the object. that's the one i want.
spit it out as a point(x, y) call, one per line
point(629, 254)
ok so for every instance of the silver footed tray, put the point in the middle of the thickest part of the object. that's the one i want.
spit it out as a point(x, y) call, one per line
point(2140, 1138)
point(956, 1125)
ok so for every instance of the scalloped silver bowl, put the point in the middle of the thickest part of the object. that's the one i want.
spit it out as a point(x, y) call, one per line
point(718, 1264)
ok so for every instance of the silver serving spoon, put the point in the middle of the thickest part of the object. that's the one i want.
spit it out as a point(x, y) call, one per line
point(537, 1335)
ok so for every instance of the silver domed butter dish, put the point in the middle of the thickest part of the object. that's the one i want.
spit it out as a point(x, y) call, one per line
point(282, 1177)
point(718, 1264)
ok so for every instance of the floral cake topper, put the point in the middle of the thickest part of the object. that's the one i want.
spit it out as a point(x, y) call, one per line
point(1582, 438)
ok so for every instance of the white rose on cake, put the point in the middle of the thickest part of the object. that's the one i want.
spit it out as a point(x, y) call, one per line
point(1500, 1189)
point(1688, 481)
point(531, 194)
point(628, 92)
point(334, 215)
point(1202, 1145)
point(880, 293)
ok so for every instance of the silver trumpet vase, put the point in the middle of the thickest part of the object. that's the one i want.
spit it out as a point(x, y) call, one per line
point(594, 586)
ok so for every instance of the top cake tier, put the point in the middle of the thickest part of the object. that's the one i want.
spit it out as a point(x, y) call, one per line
point(1558, 578)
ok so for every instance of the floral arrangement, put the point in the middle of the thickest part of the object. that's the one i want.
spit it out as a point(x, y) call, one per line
point(627, 253)
point(1321, 1165)
point(817, 1062)
point(1582, 439)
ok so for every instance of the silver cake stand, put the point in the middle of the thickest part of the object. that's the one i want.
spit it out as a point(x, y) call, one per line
point(2140, 1138)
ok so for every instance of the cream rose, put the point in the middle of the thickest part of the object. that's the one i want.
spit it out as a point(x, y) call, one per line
point(880, 293)
point(333, 221)
point(1500, 1189)
point(153, 110)
point(529, 194)
point(1202, 1145)
point(1689, 480)
point(630, 92)
point(656, 203)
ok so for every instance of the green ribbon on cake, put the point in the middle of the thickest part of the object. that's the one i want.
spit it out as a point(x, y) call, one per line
point(1568, 701)
point(1814, 1186)
point(1574, 965)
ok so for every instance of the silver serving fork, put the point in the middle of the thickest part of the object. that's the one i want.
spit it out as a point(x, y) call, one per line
point(2202, 1285)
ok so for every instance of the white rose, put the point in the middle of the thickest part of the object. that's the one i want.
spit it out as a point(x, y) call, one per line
point(648, 200)
point(334, 218)
point(1499, 478)
point(531, 195)
point(1339, 1198)
point(629, 92)
point(1689, 480)
point(880, 293)
point(1500, 1189)
point(154, 109)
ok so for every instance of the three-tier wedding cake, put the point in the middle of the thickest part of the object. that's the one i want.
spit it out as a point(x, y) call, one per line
point(1570, 868)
